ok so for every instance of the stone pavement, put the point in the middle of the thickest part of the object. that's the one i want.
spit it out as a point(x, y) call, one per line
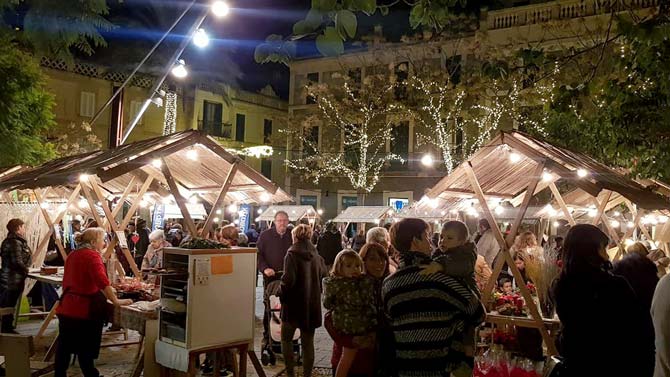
point(119, 361)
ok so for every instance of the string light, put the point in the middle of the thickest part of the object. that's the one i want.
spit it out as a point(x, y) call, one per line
point(232, 208)
point(499, 210)
point(617, 214)
point(192, 154)
point(218, 211)
point(216, 219)
point(179, 70)
point(614, 223)
point(427, 160)
point(581, 173)
point(319, 211)
point(547, 177)
point(157, 163)
point(260, 211)
point(200, 38)
point(170, 118)
point(630, 224)
point(83, 178)
point(514, 157)
point(556, 224)
point(265, 197)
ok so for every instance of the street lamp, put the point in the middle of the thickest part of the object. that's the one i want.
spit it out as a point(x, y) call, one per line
point(200, 38)
point(427, 160)
point(220, 8)
point(179, 70)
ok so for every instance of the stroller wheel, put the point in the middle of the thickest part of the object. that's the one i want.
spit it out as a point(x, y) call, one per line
point(265, 358)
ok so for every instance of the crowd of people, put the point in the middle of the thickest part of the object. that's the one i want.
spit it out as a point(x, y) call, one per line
point(404, 305)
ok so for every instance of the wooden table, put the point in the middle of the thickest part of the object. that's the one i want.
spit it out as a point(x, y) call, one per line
point(146, 323)
point(53, 279)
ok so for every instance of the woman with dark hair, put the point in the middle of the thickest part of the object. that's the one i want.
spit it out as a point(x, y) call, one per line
point(603, 325)
point(16, 257)
point(375, 264)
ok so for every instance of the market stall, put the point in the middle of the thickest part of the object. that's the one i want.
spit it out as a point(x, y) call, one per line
point(509, 172)
point(295, 213)
point(185, 167)
point(364, 215)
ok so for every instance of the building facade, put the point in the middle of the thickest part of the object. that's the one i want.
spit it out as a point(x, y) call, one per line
point(553, 25)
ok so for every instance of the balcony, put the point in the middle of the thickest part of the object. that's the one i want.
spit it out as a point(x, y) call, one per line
point(218, 129)
point(560, 10)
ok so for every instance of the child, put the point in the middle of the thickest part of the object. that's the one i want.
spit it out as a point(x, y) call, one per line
point(456, 258)
point(350, 296)
point(505, 286)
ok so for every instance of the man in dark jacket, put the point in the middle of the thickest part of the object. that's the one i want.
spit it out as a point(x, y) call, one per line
point(301, 298)
point(16, 258)
point(273, 244)
point(143, 242)
point(329, 244)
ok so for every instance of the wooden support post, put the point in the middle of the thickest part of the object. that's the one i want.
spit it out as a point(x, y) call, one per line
point(220, 198)
point(608, 226)
point(561, 203)
point(633, 211)
point(525, 293)
point(124, 196)
point(91, 205)
point(628, 234)
point(37, 254)
point(113, 225)
point(601, 207)
point(181, 202)
point(59, 244)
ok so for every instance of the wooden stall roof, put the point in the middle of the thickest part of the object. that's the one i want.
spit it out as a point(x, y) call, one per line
point(197, 162)
point(295, 213)
point(503, 175)
point(363, 214)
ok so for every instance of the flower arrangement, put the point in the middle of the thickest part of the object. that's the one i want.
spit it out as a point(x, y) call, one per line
point(511, 304)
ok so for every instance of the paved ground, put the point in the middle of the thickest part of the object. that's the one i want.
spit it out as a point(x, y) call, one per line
point(118, 361)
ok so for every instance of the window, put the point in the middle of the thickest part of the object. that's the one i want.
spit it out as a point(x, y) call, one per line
point(311, 143)
point(311, 78)
point(453, 67)
point(87, 104)
point(349, 201)
point(308, 200)
point(267, 131)
point(240, 119)
point(402, 73)
point(135, 107)
point(266, 168)
point(212, 122)
point(400, 144)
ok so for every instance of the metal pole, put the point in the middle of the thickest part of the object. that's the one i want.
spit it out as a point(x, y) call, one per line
point(141, 63)
point(168, 68)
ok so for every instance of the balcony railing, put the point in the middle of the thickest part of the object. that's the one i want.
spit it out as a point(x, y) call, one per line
point(219, 129)
point(560, 10)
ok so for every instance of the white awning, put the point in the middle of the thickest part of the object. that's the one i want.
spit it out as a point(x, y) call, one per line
point(364, 214)
point(197, 211)
point(295, 213)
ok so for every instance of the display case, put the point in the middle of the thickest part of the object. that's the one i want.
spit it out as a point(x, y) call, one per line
point(207, 297)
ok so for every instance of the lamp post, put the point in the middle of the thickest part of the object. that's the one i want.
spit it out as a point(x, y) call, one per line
point(220, 9)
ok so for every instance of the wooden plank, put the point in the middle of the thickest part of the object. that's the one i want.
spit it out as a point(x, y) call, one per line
point(525, 293)
point(561, 203)
point(91, 205)
point(532, 185)
point(220, 198)
point(124, 196)
point(57, 240)
point(114, 225)
point(601, 207)
point(17, 350)
point(643, 228)
point(181, 202)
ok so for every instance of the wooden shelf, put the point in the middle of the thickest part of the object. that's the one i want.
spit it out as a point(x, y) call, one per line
point(499, 319)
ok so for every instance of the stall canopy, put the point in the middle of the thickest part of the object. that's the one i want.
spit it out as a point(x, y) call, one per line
point(510, 170)
point(295, 213)
point(364, 214)
point(185, 167)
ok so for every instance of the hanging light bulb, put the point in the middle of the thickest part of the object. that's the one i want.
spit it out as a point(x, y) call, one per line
point(514, 157)
point(200, 38)
point(157, 163)
point(499, 210)
point(260, 211)
point(630, 224)
point(547, 177)
point(581, 173)
point(216, 219)
point(617, 213)
point(192, 154)
point(556, 224)
point(179, 70)
point(232, 208)
point(265, 197)
point(83, 177)
point(220, 8)
point(319, 211)
point(614, 224)
point(218, 211)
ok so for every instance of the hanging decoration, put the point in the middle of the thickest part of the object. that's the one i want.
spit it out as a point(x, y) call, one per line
point(170, 123)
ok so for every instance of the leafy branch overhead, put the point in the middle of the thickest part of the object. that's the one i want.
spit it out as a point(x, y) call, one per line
point(331, 23)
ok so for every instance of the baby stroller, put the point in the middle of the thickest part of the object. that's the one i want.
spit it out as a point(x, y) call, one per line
point(273, 309)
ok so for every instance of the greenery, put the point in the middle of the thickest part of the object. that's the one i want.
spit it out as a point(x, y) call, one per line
point(25, 108)
point(333, 22)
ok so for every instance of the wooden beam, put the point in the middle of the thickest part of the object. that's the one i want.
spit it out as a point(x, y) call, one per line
point(124, 196)
point(220, 198)
point(59, 244)
point(530, 303)
point(633, 211)
point(561, 203)
point(181, 202)
point(114, 226)
point(532, 185)
point(460, 193)
point(601, 207)
point(636, 223)
point(91, 205)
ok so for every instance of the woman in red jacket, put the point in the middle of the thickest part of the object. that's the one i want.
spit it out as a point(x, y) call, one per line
point(84, 283)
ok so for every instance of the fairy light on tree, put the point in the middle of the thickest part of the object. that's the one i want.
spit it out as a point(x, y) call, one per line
point(363, 116)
